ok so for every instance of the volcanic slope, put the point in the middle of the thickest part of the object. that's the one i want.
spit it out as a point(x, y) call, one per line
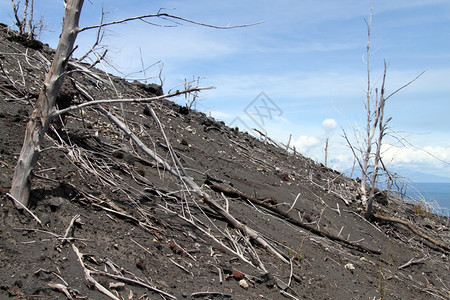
point(221, 215)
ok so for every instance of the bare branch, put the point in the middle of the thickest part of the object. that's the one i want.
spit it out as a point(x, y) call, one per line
point(89, 278)
point(98, 40)
point(407, 84)
point(24, 207)
point(134, 100)
point(165, 15)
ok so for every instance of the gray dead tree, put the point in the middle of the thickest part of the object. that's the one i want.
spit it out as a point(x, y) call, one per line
point(25, 24)
point(46, 105)
point(368, 155)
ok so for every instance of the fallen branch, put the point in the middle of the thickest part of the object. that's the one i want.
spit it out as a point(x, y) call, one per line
point(285, 216)
point(414, 230)
point(204, 294)
point(129, 280)
point(87, 275)
point(288, 295)
point(24, 207)
point(293, 204)
point(181, 267)
point(412, 262)
point(60, 287)
point(75, 218)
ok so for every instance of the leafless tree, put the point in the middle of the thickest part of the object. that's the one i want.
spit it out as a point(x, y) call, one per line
point(25, 24)
point(326, 151)
point(46, 105)
point(368, 154)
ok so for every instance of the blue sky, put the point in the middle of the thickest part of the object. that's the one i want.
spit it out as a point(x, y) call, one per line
point(308, 59)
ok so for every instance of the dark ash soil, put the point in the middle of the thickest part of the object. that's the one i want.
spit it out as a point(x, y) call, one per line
point(134, 220)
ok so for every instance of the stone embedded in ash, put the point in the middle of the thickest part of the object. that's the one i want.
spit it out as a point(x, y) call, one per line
point(281, 285)
point(55, 202)
point(237, 275)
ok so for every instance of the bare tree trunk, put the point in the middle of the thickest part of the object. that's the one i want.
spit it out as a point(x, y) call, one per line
point(379, 115)
point(375, 130)
point(30, 22)
point(45, 105)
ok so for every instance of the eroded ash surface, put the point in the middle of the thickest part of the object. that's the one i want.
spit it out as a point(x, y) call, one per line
point(134, 220)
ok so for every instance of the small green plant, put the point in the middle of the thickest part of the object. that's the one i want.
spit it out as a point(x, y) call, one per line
point(420, 209)
point(298, 255)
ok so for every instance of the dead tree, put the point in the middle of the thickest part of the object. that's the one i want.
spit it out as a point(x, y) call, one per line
point(368, 155)
point(25, 24)
point(45, 106)
point(326, 152)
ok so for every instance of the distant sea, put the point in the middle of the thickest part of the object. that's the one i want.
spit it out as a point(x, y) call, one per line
point(432, 192)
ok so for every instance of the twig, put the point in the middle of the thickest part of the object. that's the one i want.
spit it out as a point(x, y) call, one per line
point(70, 226)
point(185, 252)
point(60, 278)
point(57, 236)
point(132, 100)
point(412, 262)
point(292, 272)
point(24, 207)
point(320, 218)
point(268, 138)
point(293, 204)
point(288, 295)
point(227, 204)
point(87, 275)
point(129, 280)
point(180, 266)
point(202, 294)
point(142, 247)
point(220, 273)
point(60, 287)
point(364, 219)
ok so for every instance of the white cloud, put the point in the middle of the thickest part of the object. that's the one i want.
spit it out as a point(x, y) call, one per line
point(292, 85)
point(219, 115)
point(329, 125)
point(433, 156)
point(305, 144)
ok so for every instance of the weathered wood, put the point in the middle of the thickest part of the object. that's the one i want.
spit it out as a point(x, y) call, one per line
point(411, 227)
point(285, 216)
point(45, 106)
